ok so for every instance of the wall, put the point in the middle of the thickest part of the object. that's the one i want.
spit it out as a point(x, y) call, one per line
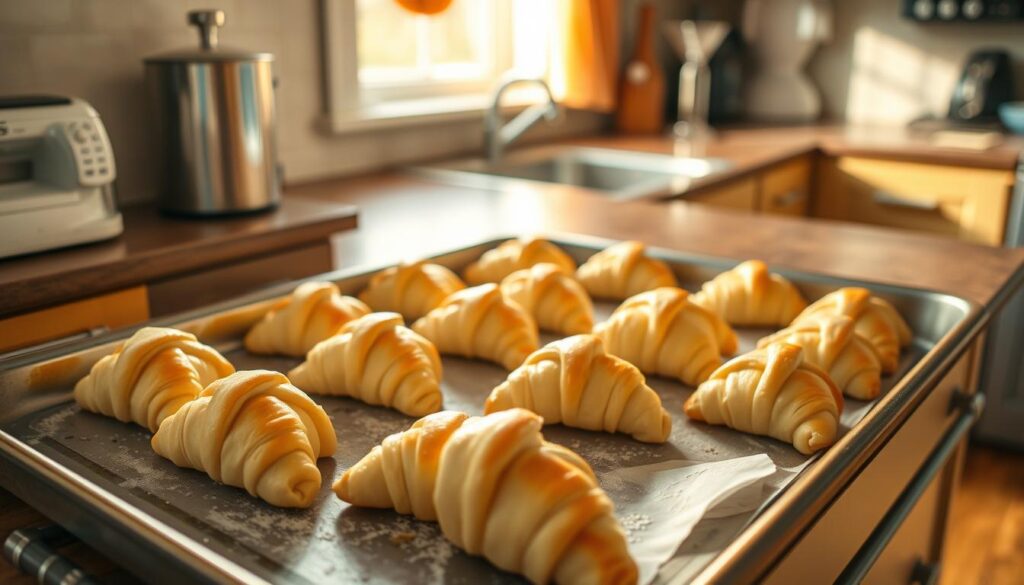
point(883, 68)
point(94, 49)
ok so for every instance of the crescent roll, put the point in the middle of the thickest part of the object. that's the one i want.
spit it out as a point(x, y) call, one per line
point(410, 289)
point(498, 490)
point(574, 382)
point(378, 360)
point(254, 430)
point(750, 295)
point(496, 264)
point(479, 322)
point(314, 312)
point(875, 319)
point(831, 343)
point(150, 376)
point(772, 392)
point(662, 332)
point(623, 270)
point(552, 297)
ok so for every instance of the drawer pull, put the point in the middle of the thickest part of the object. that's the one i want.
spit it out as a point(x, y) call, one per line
point(970, 409)
point(890, 200)
point(789, 198)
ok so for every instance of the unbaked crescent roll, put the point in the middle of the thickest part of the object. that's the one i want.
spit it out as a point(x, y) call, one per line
point(750, 295)
point(150, 376)
point(498, 490)
point(496, 264)
point(831, 343)
point(313, 312)
point(254, 430)
point(772, 392)
point(378, 360)
point(574, 382)
point(662, 332)
point(479, 322)
point(410, 289)
point(875, 320)
point(623, 270)
point(552, 297)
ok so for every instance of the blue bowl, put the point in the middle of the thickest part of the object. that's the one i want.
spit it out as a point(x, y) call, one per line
point(1012, 115)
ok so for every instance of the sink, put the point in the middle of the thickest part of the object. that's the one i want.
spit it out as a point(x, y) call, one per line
point(617, 174)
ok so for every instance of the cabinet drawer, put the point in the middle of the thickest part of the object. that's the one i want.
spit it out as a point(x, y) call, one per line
point(829, 545)
point(740, 194)
point(966, 203)
point(786, 189)
point(112, 310)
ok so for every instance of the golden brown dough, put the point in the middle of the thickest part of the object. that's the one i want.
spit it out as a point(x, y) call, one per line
point(378, 360)
point(574, 382)
point(750, 295)
point(556, 301)
point(150, 376)
point(254, 430)
point(410, 289)
point(314, 312)
point(623, 270)
point(830, 342)
point(662, 332)
point(496, 264)
point(875, 320)
point(773, 392)
point(498, 490)
point(479, 322)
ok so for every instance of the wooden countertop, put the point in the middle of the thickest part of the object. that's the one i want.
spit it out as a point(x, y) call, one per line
point(155, 246)
point(407, 217)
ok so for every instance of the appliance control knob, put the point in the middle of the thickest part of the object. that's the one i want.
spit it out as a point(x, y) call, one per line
point(924, 9)
point(973, 9)
point(947, 9)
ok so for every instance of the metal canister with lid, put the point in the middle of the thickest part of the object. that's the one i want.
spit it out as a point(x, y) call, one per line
point(215, 114)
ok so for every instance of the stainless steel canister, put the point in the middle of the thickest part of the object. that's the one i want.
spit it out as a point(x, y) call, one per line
point(215, 114)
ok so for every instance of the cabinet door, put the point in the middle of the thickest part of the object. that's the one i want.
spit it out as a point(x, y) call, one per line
point(966, 203)
point(740, 194)
point(110, 311)
point(786, 188)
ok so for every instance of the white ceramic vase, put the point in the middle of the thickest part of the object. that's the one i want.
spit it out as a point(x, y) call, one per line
point(782, 35)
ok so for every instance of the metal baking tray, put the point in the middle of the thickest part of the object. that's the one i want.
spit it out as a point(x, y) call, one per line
point(100, 478)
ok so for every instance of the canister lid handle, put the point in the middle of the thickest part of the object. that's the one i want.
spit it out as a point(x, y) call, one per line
point(208, 21)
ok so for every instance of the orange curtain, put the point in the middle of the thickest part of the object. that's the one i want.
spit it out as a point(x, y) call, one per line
point(425, 6)
point(585, 59)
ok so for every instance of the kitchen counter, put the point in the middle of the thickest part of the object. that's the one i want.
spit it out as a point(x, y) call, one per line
point(406, 217)
point(155, 246)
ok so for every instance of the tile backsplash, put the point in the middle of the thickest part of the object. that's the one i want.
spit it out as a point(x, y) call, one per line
point(94, 49)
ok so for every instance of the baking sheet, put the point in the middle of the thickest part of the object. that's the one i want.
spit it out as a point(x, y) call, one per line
point(332, 541)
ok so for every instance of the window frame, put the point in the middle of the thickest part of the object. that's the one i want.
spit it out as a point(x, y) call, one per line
point(351, 107)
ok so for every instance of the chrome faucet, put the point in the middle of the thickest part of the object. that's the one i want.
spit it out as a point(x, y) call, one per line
point(496, 136)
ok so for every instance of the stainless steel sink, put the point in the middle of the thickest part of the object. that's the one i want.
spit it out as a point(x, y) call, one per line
point(616, 173)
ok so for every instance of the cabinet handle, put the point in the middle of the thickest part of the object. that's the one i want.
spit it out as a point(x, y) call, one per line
point(970, 407)
point(55, 343)
point(789, 198)
point(883, 198)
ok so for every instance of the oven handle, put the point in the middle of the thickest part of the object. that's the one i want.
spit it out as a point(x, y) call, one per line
point(970, 407)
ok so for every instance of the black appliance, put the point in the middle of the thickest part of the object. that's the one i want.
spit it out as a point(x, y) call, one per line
point(963, 10)
point(986, 82)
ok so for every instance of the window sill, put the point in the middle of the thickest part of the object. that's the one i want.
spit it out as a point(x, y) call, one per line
point(424, 111)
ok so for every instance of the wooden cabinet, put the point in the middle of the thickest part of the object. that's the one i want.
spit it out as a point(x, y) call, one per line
point(741, 194)
point(967, 203)
point(107, 311)
point(786, 188)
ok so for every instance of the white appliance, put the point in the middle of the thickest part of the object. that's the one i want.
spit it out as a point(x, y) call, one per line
point(782, 36)
point(56, 175)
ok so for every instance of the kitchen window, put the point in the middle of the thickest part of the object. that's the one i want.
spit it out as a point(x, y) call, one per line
point(387, 66)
